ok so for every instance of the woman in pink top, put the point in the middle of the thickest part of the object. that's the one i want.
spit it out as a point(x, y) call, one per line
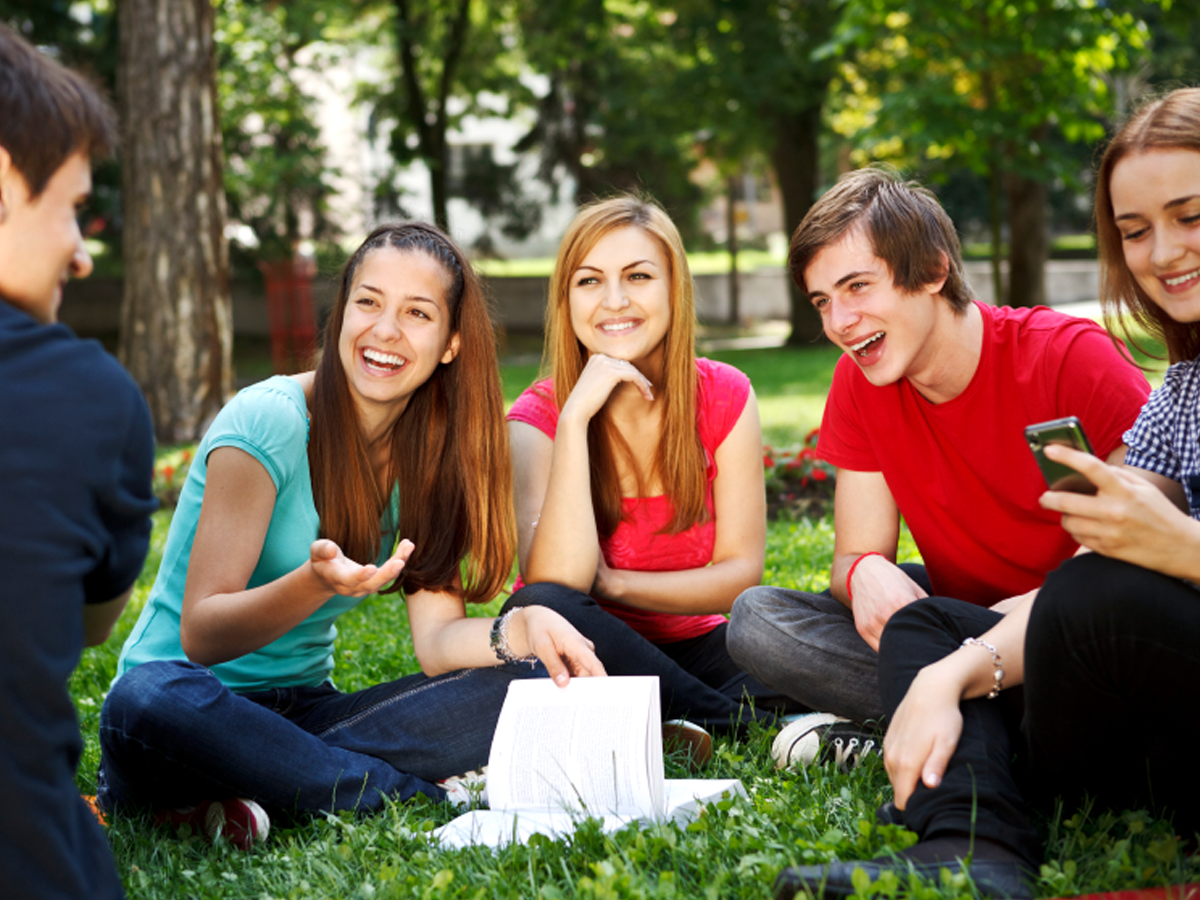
point(638, 468)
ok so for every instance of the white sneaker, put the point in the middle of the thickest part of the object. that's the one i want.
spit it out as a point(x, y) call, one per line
point(799, 741)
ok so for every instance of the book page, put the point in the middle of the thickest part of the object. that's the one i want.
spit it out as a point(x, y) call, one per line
point(584, 748)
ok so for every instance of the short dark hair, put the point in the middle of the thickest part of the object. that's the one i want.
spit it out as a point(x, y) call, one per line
point(48, 113)
point(907, 228)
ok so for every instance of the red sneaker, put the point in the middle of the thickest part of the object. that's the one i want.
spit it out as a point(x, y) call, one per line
point(243, 822)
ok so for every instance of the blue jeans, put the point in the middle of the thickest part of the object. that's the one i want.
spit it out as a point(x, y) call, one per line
point(806, 647)
point(172, 734)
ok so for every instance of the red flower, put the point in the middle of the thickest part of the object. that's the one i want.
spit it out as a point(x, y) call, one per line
point(168, 473)
point(819, 474)
point(768, 463)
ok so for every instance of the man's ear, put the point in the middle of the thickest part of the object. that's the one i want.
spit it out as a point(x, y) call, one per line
point(935, 287)
point(451, 348)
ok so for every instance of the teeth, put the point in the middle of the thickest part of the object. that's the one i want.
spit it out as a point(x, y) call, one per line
point(1171, 282)
point(383, 359)
point(619, 326)
point(863, 344)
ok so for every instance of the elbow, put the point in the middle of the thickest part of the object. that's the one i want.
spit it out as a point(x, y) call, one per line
point(433, 665)
point(195, 649)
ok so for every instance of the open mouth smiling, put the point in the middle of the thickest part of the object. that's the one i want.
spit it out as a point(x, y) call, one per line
point(1180, 279)
point(387, 362)
point(862, 346)
point(617, 327)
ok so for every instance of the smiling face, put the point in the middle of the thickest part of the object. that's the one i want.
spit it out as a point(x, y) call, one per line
point(620, 296)
point(40, 243)
point(395, 330)
point(1156, 206)
point(889, 333)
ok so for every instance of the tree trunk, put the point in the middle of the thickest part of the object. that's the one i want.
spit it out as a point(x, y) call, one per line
point(735, 299)
point(1026, 241)
point(795, 158)
point(176, 318)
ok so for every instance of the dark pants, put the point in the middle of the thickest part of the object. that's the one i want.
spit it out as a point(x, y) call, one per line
point(698, 680)
point(1110, 706)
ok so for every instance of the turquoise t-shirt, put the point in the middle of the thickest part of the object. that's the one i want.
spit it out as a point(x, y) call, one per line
point(269, 421)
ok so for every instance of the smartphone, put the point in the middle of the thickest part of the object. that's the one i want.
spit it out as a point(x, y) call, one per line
point(1069, 432)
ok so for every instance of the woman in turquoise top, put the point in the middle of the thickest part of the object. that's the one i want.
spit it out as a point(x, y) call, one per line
point(387, 468)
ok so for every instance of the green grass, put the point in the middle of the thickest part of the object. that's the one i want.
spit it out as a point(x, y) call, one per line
point(734, 850)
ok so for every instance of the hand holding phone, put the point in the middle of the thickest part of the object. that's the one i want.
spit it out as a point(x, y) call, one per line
point(1068, 432)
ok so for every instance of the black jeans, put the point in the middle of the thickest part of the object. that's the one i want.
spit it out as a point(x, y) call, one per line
point(698, 680)
point(1110, 706)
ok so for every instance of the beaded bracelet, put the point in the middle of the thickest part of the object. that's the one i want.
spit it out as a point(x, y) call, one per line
point(998, 675)
point(853, 566)
point(499, 642)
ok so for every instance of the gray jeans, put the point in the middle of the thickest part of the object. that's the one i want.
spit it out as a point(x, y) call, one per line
point(806, 646)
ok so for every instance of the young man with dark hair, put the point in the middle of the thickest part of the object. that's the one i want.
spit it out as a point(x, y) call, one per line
point(76, 458)
point(925, 419)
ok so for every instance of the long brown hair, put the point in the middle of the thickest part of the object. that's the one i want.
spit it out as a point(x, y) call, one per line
point(1170, 122)
point(449, 449)
point(679, 458)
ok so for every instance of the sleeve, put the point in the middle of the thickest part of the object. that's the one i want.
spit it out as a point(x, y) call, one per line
point(266, 423)
point(536, 407)
point(722, 394)
point(125, 499)
point(1094, 381)
point(843, 440)
point(1150, 439)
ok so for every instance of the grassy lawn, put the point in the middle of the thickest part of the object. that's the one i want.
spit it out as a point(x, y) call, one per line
point(734, 850)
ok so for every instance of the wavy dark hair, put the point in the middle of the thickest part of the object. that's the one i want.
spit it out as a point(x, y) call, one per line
point(1168, 122)
point(449, 448)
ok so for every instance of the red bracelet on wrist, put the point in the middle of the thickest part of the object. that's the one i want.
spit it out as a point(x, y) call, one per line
point(850, 574)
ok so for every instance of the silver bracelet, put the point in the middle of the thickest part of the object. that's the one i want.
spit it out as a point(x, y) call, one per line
point(998, 675)
point(499, 642)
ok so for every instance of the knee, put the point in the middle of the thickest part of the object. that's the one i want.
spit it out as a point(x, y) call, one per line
point(146, 694)
point(563, 600)
point(745, 619)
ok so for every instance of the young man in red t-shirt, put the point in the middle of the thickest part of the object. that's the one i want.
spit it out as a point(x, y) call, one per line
point(925, 419)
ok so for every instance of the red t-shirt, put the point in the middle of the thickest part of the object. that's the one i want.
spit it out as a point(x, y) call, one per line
point(960, 471)
point(721, 393)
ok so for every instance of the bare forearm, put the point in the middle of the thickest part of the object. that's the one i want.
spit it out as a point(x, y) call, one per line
point(565, 547)
point(711, 589)
point(465, 644)
point(224, 626)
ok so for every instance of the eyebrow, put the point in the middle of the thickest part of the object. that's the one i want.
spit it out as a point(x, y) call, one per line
point(412, 297)
point(1170, 204)
point(623, 268)
point(849, 276)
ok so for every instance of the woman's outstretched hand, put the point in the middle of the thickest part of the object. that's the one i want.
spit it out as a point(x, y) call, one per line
point(562, 649)
point(1129, 518)
point(924, 731)
point(344, 576)
point(600, 377)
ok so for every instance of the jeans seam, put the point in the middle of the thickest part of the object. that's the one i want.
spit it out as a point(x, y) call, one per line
point(395, 698)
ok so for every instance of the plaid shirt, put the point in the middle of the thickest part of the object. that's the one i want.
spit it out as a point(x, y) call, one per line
point(1165, 439)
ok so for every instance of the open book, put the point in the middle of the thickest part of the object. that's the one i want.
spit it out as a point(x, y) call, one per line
point(590, 750)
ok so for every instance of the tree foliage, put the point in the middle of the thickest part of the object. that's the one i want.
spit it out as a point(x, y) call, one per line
point(276, 169)
point(988, 84)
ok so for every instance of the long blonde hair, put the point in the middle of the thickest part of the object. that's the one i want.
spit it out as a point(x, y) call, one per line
point(450, 444)
point(679, 460)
